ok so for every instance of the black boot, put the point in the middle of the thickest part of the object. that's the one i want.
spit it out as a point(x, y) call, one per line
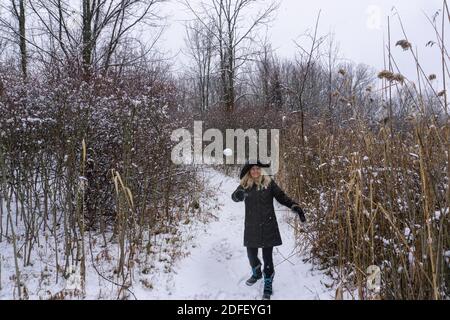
point(268, 280)
point(257, 274)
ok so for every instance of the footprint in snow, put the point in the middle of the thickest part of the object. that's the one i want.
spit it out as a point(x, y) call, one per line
point(221, 250)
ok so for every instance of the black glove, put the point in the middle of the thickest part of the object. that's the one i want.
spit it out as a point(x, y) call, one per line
point(300, 213)
point(239, 195)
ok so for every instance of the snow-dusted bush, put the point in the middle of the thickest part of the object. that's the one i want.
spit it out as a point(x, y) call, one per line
point(79, 156)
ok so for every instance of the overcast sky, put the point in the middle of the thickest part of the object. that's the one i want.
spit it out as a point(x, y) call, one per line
point(359, 27)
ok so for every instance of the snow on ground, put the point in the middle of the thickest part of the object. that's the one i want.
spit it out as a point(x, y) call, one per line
point(198, 260)
point(217, 266)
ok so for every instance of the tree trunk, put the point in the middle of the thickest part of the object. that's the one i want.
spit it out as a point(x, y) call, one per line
point(87, 37)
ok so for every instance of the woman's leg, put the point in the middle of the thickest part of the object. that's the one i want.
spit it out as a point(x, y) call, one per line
point(268, 261)
point(252, 254)
point(255, 263)
point(269, 272)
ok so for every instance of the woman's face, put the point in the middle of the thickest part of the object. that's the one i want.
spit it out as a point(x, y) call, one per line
point(255, 172)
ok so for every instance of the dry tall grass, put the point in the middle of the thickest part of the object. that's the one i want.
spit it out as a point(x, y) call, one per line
point(379, 194)
point(378, 200)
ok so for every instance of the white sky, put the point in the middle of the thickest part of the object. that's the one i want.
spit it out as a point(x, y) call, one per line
point(359, 27)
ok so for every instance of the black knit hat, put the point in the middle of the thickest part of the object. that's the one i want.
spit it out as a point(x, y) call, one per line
point(246, 168)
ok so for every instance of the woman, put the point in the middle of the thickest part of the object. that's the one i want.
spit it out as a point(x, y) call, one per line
point(261, 227)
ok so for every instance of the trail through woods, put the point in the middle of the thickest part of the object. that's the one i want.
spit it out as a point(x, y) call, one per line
point(217, 266)
point(198, 260)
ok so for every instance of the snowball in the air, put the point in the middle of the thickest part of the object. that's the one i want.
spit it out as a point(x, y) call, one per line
point(228, 152)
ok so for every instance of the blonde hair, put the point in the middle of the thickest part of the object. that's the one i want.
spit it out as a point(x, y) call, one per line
point(262, 181)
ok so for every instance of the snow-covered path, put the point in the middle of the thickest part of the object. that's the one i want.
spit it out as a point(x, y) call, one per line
point(217, 266)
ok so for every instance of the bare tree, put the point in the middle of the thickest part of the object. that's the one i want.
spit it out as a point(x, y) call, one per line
point(331, 61)
point(233, 28)
point(200, 41)
point(88, 42)
point(97, 31)
point(265, 78)
point(17, 29)
point(307, 61)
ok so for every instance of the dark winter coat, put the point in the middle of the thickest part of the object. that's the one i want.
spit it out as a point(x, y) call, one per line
point(261, 226)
